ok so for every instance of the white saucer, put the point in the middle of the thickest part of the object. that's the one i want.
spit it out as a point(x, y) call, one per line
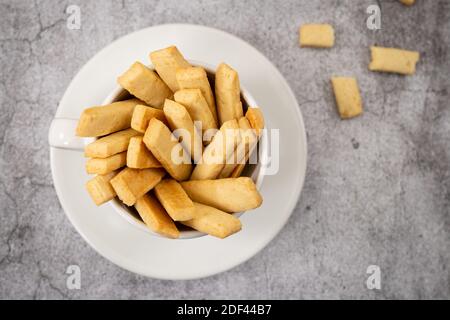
point(135, 250)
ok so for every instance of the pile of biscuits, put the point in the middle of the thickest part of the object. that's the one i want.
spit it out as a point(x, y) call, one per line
point(346, 90)
point(174, 150)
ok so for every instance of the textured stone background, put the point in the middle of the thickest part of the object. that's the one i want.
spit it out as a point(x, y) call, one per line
point(377, 189)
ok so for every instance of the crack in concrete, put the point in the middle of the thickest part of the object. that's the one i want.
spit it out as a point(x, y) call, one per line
point(6, 257)
point(45, 278)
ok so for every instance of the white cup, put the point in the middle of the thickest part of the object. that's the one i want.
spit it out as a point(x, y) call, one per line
point(62, 135)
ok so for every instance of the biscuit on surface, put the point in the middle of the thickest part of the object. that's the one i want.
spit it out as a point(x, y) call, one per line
point(393, 60)
point(348, 98)
point(316, 35)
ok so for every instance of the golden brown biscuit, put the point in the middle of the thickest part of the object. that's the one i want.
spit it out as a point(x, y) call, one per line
point(228, 94)
point(145, 84)
point(100, 189)
point(229, 195)
point(110, 145)
point(394, 60)
point(196, 78)
point(142, 116)
point(196, 105)
point(248, 140)
point(408, 2)
point(139, 157)
point(217, 152)
point(166, 62)
point(179, 119)
point(256, 120)
point(155, 217)
point(102, 120)
point(316, 35)
point(237, 171)
point(106, 165)
point(213, 221)
point(175, 200)
point(348, 98)
point(131, 184)
point(166, 148)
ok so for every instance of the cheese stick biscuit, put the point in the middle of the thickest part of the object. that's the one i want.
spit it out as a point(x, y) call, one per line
point(102, 120)
point(229, 195)
point(256, 120)
point(316, 35)
point(139, 157)
point(407, 2)
point(196, 78)
point(131, 184)
point(217, 152)
point(142, 116)
point(213, 221)
point(166, 62)
point(110, 145)
point(175, 200)
point(180, 120)
point(348, 98)
point(145, 84)
point(164, 146)
point(100, 189)
point(106, 165)
point(228, 94)
point(394, 60)
point(248, 140)
point(237, 171)
point(155, 217)
point(196, 105)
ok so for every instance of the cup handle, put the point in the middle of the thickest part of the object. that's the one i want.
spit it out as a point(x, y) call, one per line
point(62, 135)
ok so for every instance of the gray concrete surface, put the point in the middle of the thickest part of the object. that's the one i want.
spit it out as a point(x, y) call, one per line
point(377, 189)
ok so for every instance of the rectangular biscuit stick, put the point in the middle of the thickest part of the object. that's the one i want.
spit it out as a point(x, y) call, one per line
point(248, 140)
point(217, 152)
point(229, 195)
point(145, 84)
point(316, 35)
point(213, 221)
point(228, 94)
point(142, 116)
point(110, 145)
point(106, 165)
point(131, 184)
point(256, 120)
point(175, 200)
point(102, 120)
point(407, 2)
point(166, 62)
point(180, 122)
point(100, 189)
point(394, 60)
point(161, 142)
point(348, 98)
point(237, 171)
point(139, 157)
point(196, 78)
point(155, 217)
point(196, 105)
